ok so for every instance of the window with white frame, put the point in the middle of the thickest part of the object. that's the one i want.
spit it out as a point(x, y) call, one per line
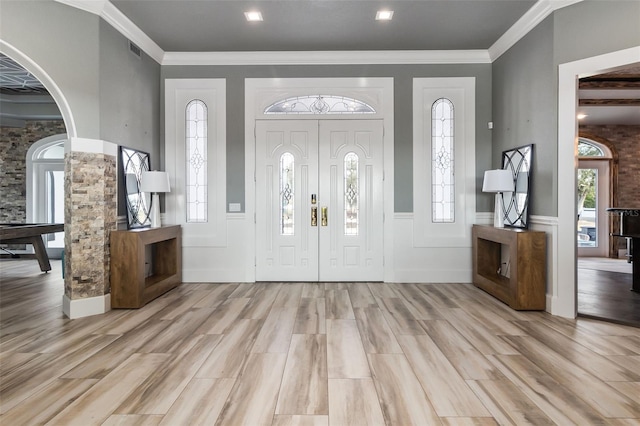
point(444, 181)
point(443, 185)
point(196, 164)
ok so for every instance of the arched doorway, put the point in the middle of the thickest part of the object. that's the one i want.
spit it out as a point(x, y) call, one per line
point(45, 187)
point(595, 187)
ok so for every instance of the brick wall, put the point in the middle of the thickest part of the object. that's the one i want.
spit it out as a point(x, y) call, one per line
point(14, 144)
point(626, 141)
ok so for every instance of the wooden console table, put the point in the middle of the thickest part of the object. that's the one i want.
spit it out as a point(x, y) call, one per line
point(525, 288)
point(130, 285)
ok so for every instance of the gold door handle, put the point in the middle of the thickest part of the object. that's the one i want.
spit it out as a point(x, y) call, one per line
point(314, 216)
point(325, 217)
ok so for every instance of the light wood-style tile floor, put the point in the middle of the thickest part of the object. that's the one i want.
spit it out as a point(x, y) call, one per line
point(307, 354)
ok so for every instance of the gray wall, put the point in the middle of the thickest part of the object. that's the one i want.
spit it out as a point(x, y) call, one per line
point(64, 42)
point(129, 95)
point(525, 82)
point(525, 111)
point(403, 82)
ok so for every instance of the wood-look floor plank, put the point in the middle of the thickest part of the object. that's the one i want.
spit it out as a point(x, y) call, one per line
point(354, 402)
point(304, 383)
point(598, 394)
point(312, 290)
point(275, 335)
point(227, 358)
point(163, 387)
point(299, 420)
point(253, 399)
point(590, 361)
point(44, 405)
point(108, 358)
point(223, 316)
point(446, 389)
point(310, 318)
point(338, 304)
point(469, 421)
point(346, 358)
point(401, 397)
point(261, 302)
point(117, 367)
point(217, 294)
point(399, 317)
point(100, 401)
point(200, 403)
point(464, 357)
point(361, 296)
point(559, 403)
point(417, 303)
point(508, 404)
point(43, 370)
point(133, 420)
point(375, 332)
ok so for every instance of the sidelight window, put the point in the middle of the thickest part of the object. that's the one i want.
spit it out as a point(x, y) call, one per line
point(442, 162)
point(196, 161)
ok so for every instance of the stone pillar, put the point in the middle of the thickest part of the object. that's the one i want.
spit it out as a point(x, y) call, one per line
point(90, 216)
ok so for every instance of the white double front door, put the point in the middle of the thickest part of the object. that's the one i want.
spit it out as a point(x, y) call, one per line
point(319, 200)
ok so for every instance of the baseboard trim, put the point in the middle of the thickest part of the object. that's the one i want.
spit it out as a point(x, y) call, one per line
point(79, 308)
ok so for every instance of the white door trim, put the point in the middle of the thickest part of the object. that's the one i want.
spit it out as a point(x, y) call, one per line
point(261, 92)
point(563, 284)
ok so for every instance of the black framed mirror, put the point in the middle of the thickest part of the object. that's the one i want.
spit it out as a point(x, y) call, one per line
point(133, 163)
point(516, 203)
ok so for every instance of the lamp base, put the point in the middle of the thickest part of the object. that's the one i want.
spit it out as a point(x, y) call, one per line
point(155, 211)
point(498, 216)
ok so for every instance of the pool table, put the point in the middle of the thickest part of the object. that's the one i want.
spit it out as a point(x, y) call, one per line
point(30, 233)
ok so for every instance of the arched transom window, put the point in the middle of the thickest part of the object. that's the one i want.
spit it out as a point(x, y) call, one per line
point(319, 104)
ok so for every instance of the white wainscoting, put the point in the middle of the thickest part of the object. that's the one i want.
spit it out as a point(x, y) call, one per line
point(234, 262)
point(550, 226)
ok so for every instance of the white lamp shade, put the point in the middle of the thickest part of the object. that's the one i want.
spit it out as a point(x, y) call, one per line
point(154, 181)
point(498, 181)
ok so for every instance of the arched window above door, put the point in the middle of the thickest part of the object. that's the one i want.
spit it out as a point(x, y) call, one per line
point(319, 104)
point(591, 148)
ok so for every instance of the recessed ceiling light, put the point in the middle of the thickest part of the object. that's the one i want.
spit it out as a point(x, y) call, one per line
point(253, 16)
point(581, 116)
point(384, 15)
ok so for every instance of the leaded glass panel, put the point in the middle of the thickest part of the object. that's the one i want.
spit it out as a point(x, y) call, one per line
point(287, 199)
point(319, 104)
point(351, 194)
point(442, 161)
point(196, 161)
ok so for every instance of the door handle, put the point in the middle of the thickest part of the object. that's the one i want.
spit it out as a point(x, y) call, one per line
point(325, 217)
point(314, 216)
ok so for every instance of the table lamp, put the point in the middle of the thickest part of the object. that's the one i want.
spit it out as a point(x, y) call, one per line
point(155, 182)
point(498, 181)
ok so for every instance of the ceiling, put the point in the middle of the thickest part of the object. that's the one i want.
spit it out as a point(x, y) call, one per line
point(322, 25)
point(342, 25)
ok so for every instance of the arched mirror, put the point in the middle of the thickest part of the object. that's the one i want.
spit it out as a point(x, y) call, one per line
point(133, 163)
point(516, 203)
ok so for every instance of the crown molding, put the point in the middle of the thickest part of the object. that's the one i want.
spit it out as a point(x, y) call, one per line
point(112, 15)
point(328, 57)
point(526, 23)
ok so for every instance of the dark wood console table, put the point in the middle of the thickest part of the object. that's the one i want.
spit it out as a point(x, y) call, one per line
point(630, 229)
point(525, 288)
point(30, 233)
point(131, 285)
